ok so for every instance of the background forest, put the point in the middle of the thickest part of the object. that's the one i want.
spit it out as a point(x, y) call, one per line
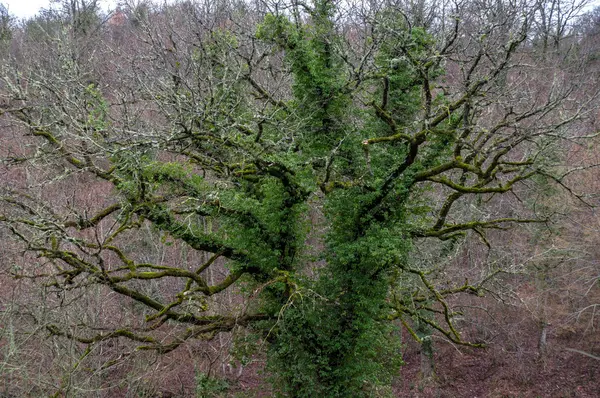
point(285, 198)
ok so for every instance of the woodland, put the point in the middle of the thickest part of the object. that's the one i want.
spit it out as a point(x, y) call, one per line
point(286, 198)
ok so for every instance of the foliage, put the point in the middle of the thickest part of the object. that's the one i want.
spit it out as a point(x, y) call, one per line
point(208, 387)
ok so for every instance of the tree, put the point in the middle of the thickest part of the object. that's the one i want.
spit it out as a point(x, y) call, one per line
point(555, 20)
point(82, 15)
point(380, 136)
point(6, 24)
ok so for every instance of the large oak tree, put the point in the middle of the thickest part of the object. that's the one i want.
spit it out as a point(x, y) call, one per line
point(315, 151)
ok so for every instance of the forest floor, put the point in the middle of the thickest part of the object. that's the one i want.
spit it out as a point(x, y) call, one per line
point(496, 372)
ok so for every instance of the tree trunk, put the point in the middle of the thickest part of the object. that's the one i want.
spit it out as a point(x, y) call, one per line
point(427, 363)
point(542, 342)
